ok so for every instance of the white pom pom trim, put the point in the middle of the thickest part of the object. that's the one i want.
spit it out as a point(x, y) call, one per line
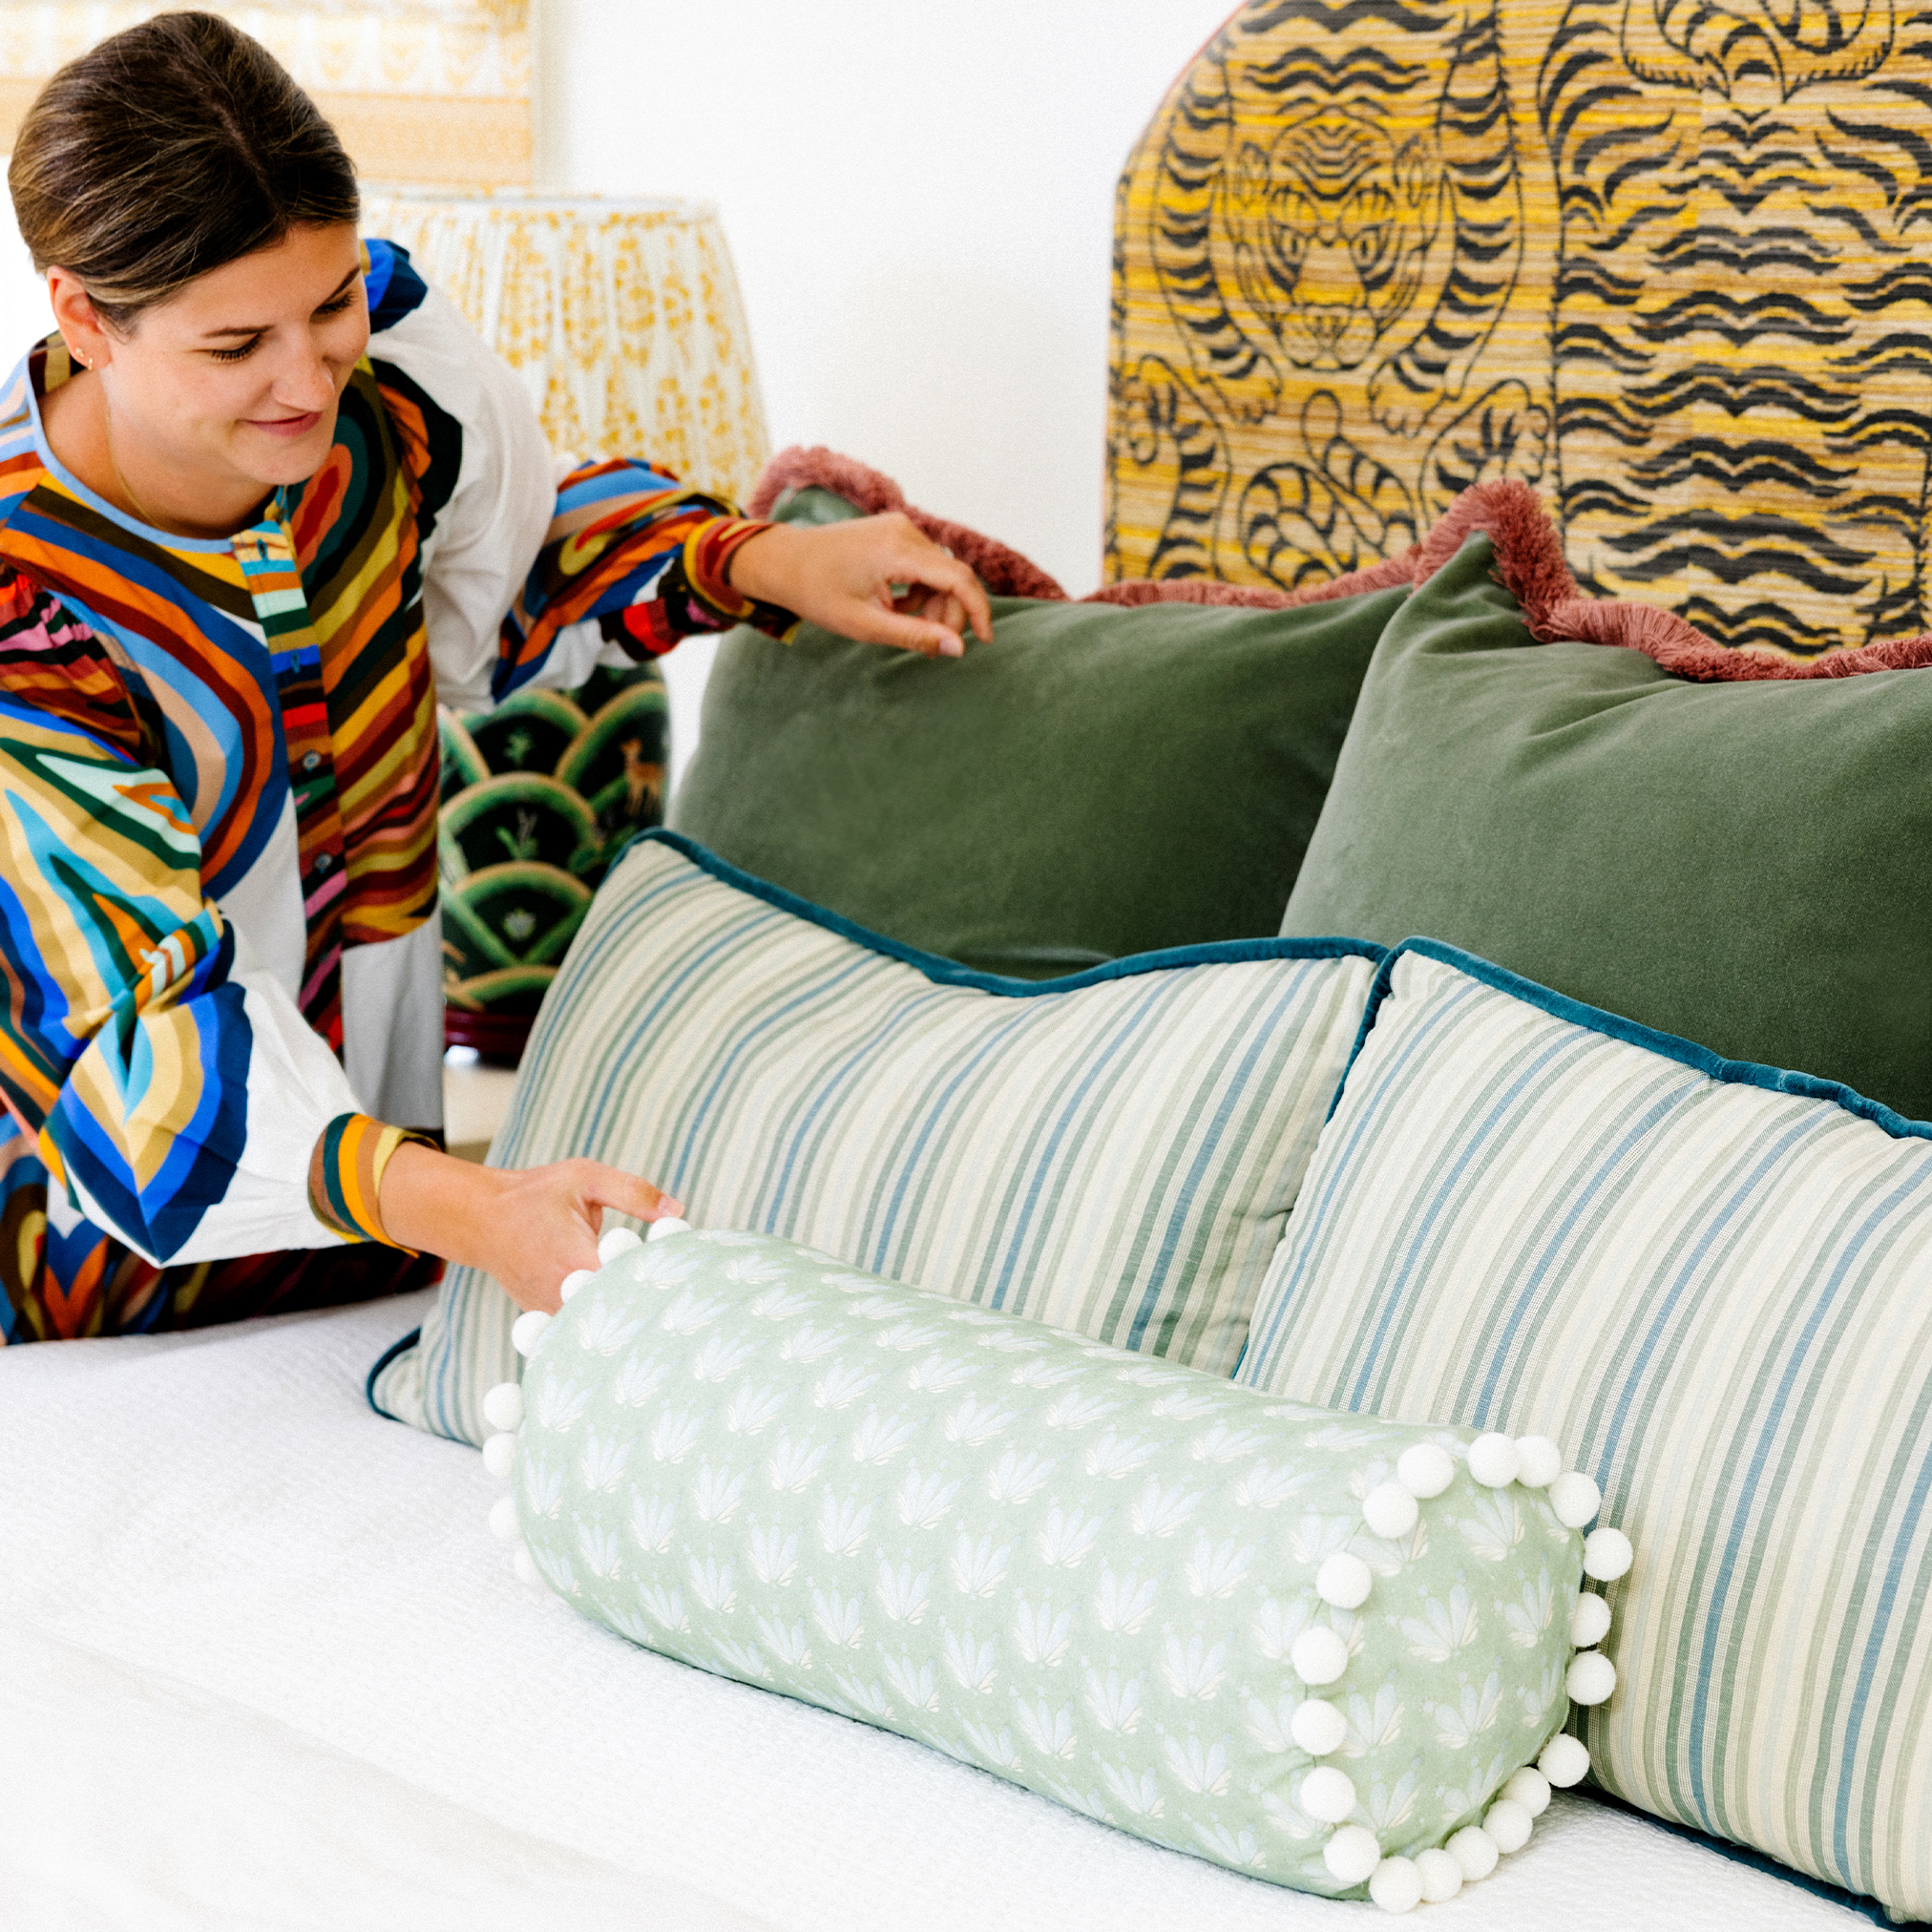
point(1592, 1678)
point(1425, 1470)
point(577, 1278)
point(1606, 1555)
point(1575, 1498)
point(1441, 1876)
point(1509, 1824)
point(666, 1225)
point(1328, 1796)
point(503, 1406)
point(1318, 1655)
point(1539, 1461)
point(1391, 1511)
point(617, 1241)
point(1344, 1580)
point(503, 1523)
point(1396, 1885)
point(1318, 1726)
point(525, 1567)
point(499, 1456)
point(1564, 1761)
point(1352, 1854)
point(1493, 1460)
point(526, 1331)
point(1475, 1851)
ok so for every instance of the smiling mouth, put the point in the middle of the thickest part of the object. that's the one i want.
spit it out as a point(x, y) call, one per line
point(285, 426)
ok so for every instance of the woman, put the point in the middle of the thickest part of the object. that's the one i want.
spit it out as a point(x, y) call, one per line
point(262, 499)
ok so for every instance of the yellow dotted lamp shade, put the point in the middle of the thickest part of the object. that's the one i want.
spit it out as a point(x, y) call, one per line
point(623, 318)
point(419, 89)
point(538, 796)
point(1663, 262)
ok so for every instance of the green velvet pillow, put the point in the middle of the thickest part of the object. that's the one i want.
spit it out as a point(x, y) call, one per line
point(1096, 782)
point(1311, 1645)
point(1741, 864)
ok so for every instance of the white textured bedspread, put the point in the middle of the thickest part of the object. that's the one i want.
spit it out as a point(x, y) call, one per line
point(262, 1666)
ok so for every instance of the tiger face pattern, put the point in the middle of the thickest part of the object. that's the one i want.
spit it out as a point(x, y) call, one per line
point(1660, 258)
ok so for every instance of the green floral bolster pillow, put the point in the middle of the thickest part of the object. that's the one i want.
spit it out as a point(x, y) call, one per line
point(1316, 1647)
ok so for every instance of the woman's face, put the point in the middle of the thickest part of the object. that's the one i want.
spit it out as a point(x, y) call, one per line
point(236, 379)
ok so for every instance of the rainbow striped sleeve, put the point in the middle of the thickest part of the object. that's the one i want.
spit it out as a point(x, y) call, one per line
point(172, 1097)
point(346, 1175)
point(636, 549)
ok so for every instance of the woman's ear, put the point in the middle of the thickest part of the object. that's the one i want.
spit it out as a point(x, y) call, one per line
point(86, 336)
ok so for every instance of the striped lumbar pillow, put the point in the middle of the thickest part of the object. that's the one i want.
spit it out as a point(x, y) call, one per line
point(1114, 1153)
point(1713, 1281)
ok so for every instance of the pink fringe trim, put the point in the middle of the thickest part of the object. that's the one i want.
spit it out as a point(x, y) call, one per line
point(1529, 564)
point(1004, 572)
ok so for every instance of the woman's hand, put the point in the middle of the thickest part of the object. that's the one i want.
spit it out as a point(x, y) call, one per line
point(526, 1227)
point(841, 575)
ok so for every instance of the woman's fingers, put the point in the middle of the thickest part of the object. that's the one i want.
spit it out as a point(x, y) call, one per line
point(926, 563)
point(626, 1193)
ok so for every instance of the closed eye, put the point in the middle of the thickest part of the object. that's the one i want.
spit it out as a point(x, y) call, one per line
point(335, 305)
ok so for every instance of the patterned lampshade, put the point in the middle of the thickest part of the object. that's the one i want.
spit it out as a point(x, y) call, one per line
point(623, 319)
point(419, 89)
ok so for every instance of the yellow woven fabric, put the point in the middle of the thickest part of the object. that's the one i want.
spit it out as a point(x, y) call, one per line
point(419, 89)
point(1662, 260)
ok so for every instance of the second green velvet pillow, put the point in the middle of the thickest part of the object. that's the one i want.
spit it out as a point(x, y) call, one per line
point(1741, 864)
point(1096, 782)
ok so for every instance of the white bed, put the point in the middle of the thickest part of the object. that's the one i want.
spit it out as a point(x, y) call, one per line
point(261, 1666)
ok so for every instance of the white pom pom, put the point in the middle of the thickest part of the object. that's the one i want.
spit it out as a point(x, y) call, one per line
point(1425, 1470)
point(1441, 1877)
point(577, 1278)
point(1575, 1498)
point(1539, 1461)
point(503, 1406)
point(1493, 1460)
point(527, 1331)
point(666, 1225)
point(1591, 1678)
point(1606, 1555)
point(503, 1522)
point(1352, 1854)
point(617, 1241)
point(1318, 1655)
point(1389, 1510)
point(499, 1457)
point(1530, 1789)
point(1318, 1726)
point(1344, 1580)
point(1396, 1885)
point(1475, 1851)
point(1565, 1760)
point(1590, 1621)
point(1509, 1824)
point(522, 1561)
point(1328, 1794)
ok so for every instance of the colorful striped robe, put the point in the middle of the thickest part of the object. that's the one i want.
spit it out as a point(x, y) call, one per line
point(218, 813)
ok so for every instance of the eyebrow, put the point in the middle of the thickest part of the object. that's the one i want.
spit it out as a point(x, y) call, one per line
point(262, 327)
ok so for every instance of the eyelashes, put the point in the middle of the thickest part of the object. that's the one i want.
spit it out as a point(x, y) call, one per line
point(248, 349)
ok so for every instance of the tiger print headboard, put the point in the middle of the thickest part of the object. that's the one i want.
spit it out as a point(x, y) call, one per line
point(1668, 261)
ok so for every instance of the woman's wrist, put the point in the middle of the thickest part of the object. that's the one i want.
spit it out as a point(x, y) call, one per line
point(437, 1204)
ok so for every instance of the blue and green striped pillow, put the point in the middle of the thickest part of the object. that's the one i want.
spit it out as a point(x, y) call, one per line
point(1713, 1281)
point(1115, 1153)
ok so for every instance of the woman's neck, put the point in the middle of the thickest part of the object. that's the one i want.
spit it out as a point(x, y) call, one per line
point(81, 431)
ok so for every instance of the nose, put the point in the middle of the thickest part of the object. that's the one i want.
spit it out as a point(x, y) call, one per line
point(303, 379)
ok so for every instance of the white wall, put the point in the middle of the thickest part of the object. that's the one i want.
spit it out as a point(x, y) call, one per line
point(919, 197)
